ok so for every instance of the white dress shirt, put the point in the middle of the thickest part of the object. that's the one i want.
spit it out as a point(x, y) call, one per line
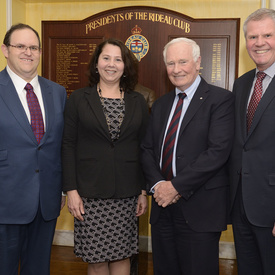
point(270, 72)
point(189, 95)
point(19, 85)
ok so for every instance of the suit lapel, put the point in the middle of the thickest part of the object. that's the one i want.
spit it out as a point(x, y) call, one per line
point(10, 97)
point(164, 115)
point(263, 104)
point(198, 99)
point(95, 104)
point(47, 96)
point(245, 92)
point(130, 105)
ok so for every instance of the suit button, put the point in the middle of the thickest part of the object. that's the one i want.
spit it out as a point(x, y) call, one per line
point(112, 145)
point(37, 171)
point(39, 148)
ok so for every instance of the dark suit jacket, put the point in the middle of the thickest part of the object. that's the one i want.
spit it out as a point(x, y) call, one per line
point(203, 149)
point(253, 155)
point(29, 173)
point(93, 164)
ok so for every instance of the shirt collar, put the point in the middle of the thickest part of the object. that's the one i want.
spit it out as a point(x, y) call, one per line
point(191, 90)
point(270, 71)
point(19, 82)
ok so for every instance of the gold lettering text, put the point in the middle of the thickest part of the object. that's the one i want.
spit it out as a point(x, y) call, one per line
point(181, 25)
point(154, 17)
point(129, 15)
point(141, 15)
point(104, 21)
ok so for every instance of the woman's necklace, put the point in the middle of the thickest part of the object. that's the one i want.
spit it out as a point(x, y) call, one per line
point(120, 117)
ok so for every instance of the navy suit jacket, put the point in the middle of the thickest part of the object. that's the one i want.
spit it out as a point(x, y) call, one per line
point(29, 173)
point(203, 148)
point(253, 154)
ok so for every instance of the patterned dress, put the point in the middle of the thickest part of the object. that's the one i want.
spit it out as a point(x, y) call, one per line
point(109, 231)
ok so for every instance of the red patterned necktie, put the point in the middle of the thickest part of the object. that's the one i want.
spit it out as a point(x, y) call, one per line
point(35, 112)
point(168, 147)
point(255, 99)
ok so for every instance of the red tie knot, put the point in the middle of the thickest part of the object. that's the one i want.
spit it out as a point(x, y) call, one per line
point(261, 75)
point(28, 87)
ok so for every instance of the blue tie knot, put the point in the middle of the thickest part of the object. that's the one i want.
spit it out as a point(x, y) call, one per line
point(182, 95)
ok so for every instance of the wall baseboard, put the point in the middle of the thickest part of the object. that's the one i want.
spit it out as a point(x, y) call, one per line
point(63, 237)
point(66, 238)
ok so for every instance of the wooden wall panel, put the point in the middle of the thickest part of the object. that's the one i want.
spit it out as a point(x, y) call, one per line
point(67, 45)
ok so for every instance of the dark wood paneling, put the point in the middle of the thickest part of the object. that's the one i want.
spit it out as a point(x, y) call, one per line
point(67, 45)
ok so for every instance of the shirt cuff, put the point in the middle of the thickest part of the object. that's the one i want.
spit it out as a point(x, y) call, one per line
point(152, 190)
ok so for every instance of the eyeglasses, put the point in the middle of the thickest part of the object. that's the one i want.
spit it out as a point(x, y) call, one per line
point(23, 48)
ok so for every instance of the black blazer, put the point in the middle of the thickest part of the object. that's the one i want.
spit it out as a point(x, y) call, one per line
point(203, 148)
point(253, 154)
point(92, 163)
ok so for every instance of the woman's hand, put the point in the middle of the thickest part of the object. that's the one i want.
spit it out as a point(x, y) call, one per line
point(75, 204)
point(141, 204)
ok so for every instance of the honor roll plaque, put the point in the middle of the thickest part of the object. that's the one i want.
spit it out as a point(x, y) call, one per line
point(68, 45)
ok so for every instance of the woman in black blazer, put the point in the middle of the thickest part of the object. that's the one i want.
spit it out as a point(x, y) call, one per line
point(104, 125)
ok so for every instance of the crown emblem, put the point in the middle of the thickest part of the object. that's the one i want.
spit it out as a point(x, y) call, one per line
point(137, 43)
point(136, 30)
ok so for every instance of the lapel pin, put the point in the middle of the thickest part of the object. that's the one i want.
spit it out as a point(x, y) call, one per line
point(201, 97)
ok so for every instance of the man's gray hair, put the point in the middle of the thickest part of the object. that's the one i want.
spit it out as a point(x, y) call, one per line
point(258, 15)
point(192, 43)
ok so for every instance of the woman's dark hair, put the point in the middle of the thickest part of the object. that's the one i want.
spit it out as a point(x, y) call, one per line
point(20, 26)
point(130, 76)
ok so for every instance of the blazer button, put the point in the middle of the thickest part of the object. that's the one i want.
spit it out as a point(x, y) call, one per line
point(37, 171)
point(112, 145)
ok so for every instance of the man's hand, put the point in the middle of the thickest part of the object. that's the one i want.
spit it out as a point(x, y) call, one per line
point(273, 230)
point(165, 194)
point(175, 200)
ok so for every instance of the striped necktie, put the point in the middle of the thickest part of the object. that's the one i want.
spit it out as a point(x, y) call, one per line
point(168, 147)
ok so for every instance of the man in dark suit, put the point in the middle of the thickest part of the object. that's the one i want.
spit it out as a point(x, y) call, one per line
point(189, 204)
point(252, 160)
point(31, 123)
